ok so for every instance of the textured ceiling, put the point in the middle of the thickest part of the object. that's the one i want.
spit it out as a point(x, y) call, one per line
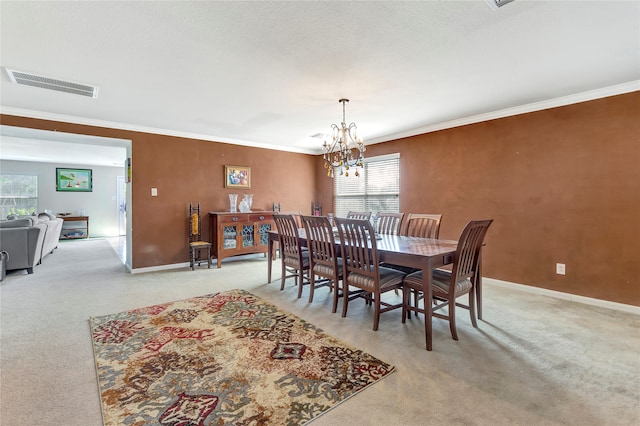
point(270, 73)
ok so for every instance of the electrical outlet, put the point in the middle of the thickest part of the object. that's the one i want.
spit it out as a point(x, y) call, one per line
point(154, 192)
point(560, 268)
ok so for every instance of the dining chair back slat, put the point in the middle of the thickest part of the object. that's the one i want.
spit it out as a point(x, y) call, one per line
point(358, 215)
point(297, 216)
point(389, 223)
point(421, 225)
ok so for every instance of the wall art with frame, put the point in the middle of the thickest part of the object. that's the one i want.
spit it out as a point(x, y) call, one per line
point(237, 177)
point(74, 180)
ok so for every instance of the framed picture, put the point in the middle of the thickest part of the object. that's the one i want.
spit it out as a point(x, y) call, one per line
point(316, 209)
point(74, 180)
point(237, 177)
point(127, 167)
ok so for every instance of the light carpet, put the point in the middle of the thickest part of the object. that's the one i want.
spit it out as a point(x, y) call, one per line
point(533, 360)
point(226, 358)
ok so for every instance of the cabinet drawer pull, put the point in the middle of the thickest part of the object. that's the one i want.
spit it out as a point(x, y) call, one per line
point(235, 219)
point(261, 217)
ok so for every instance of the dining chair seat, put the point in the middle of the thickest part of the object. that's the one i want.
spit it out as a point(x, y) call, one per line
point(441, 283)
point(326, 270)
point(389, 279)
point(295, 262)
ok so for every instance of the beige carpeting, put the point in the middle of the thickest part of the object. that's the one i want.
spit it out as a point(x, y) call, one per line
point(534, 360)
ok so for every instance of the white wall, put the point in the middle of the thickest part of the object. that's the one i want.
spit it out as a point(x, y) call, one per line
point(100, 204)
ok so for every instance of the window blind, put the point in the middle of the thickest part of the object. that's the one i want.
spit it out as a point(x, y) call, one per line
point(376, 190)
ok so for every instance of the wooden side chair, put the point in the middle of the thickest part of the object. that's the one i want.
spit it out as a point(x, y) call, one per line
point(362, 269)
point(448, 286)
point(295, 260)
point(418, 225)
point(389, 223)
point(196, 245)
point(359, 215)
point(421, 225)
point(323, 260)
point(297, 215)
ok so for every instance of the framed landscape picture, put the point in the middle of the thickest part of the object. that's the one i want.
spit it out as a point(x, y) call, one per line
point(237, 177)
point(74, 180)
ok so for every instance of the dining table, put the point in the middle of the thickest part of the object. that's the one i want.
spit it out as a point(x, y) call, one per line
point(426, 254)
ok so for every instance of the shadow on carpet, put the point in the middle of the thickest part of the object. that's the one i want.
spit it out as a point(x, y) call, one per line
point(225, 358)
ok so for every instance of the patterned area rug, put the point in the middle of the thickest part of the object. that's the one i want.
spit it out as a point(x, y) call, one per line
point(228, 358)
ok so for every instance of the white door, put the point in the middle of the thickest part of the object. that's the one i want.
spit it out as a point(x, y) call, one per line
point(121, 202)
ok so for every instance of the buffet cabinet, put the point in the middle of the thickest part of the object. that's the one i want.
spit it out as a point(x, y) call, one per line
point(233, 234)
point(74, 227)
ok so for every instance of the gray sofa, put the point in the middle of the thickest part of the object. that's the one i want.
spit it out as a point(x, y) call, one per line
point(52, 236)
point(28, 239)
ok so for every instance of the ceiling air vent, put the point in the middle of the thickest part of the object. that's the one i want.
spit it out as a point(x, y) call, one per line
point(495, 4)
point(34, 80)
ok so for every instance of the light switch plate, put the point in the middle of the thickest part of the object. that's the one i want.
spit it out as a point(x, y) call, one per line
point(154, 192)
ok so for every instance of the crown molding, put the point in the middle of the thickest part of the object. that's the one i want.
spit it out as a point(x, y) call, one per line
point(142, 129)
point(618, 89)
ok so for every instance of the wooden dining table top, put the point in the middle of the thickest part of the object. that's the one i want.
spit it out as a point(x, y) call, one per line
point(387, 243)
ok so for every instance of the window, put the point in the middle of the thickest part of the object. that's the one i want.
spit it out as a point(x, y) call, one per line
point(18, 195)
point(376, 190)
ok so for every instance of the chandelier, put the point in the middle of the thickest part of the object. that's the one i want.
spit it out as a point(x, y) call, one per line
point(345, 150)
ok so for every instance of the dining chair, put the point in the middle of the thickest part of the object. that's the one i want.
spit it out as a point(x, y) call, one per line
point(358, 215)
point(418, 225)
point(297, 215)
point(295, 260)
point(323, 261)
point(196, 244)
point(447, 286)
point(362, 269)
point(421, 225)
point(389, 223)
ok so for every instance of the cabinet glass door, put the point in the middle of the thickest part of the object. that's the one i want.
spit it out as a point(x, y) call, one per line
point(263, 232)
point(230, 234)
point(247, 236)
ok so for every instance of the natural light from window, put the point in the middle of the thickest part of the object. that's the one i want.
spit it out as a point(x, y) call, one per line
point(377, 189)
point(18, 195)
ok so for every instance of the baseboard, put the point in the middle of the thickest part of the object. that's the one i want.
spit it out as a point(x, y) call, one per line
point(560, 295)
point(159, 268)
point(186, 264)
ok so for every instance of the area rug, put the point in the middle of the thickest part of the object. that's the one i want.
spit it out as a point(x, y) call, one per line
point(226, 358)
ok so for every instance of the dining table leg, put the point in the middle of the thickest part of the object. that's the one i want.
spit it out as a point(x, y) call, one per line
point(428, 305)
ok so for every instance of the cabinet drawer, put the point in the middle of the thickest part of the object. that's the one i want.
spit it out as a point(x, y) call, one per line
point(259, 217)
point(233, 218)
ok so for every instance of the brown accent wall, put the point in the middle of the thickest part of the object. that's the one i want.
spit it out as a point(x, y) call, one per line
point(188, 170)
point(562, 185)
